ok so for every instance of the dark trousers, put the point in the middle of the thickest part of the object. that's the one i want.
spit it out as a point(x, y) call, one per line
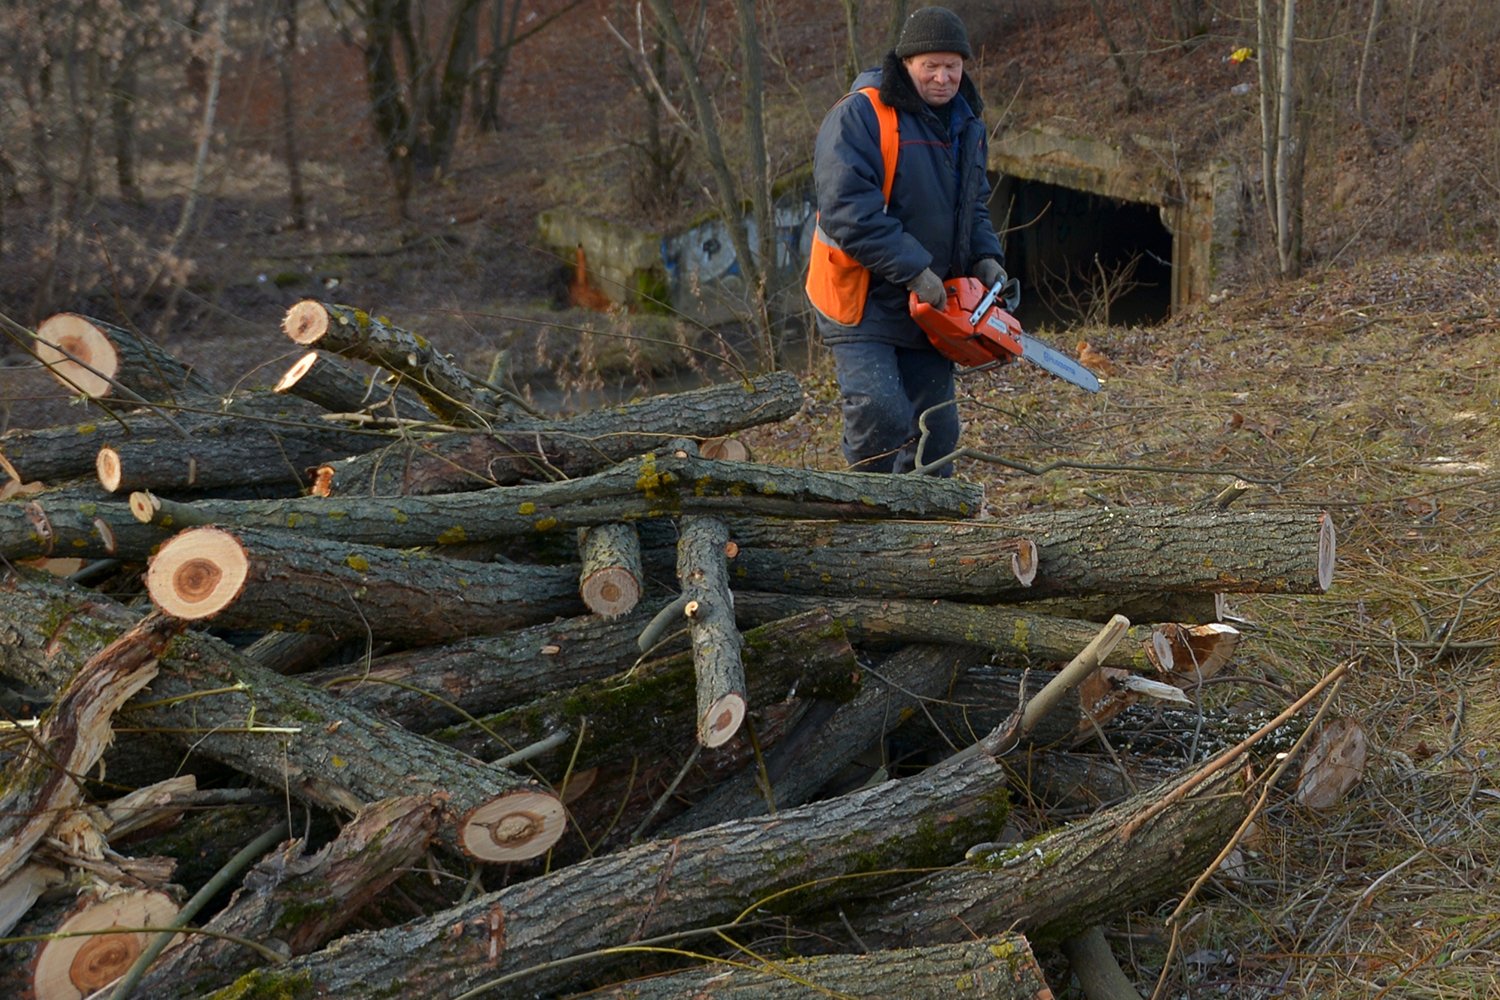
point(886, 390)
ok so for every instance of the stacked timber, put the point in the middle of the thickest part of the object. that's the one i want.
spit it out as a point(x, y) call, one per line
point(380, 682)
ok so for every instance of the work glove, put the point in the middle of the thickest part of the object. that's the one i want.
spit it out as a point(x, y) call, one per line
point(928, 287)
point(989, 271)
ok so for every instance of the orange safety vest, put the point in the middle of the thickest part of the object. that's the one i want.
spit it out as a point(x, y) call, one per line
point(837, 283)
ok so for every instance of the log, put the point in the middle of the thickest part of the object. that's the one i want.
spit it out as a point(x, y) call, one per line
point(270, 580)
point(98, 938)
point(611, 579)
point(1261, 551)
point(296, 902)
point(40, 787)
point(447, 389)
point(633, 491)
point(1095, 552)
point(807, 761)
point(484, 674)
point(997, 968)
point(573, 446)
point(703, 576)
point(652, 707)
point(337, 388)
point(208, 697)
point(99, 360)
point(1138, 606)
point(514, 939)
point(235, 450)
point(67, 452)
point(1063, 882)
point(1004, 630)
point(74, 523)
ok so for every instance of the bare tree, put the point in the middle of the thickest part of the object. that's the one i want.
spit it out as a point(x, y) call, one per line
point(286, 55)
point(1283, 137)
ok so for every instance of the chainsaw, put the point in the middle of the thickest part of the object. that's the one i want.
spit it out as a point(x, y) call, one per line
point(973, 329)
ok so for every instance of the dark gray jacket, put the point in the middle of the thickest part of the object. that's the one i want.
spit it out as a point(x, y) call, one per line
point(938, 215)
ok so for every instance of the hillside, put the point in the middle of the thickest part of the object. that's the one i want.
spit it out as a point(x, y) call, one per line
point(1366, 387)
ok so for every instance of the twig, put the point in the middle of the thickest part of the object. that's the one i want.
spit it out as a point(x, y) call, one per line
point(1228, 757)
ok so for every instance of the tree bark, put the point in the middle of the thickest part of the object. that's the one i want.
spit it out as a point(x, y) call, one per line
point(508, 937)
point(1003, 630)
point(611, 579)
point(328, 383)
point(448, 390)
point(296, 901)
point(277, 581)
point(635, 490)
point(220, 704)
point(234, 450)
point(485, 674)
point(573, 446)
point(703, 575)
point(652, 707)
point(40, 787)
point(997, 968)
point(809, 759)
point(99, 360)
point(1088, 551)
point(1054, 886)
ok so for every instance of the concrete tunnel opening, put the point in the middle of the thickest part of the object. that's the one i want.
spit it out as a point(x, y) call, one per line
point(1082, 256)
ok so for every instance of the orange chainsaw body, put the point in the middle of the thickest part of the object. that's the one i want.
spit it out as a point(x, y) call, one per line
point(994, 338)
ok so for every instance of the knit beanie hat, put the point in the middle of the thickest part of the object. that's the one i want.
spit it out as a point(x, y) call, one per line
point(933, 29)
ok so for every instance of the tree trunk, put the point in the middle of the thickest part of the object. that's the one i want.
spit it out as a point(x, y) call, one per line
point(210, 698)
point(104, 362)
point(652, 707)
point(277, 581)
point(322, 380)
point(448, 390)
point(235, 450)
point(611, 579)
point(486, 674)
point(98, 938)
point(997, 968)
point(573, 446)
point(641, 488)
point(1004, 631)
point(1054, 886)
point(703, 576)
point(507, 938)
point(298, 901)
point(809, 759)
point(74, 523)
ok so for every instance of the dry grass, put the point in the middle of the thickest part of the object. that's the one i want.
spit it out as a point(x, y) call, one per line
point(1371, 393)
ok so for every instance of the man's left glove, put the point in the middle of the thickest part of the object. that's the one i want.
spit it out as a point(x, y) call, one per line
point(989, 271)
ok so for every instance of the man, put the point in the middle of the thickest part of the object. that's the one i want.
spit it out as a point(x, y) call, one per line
point(882, 235)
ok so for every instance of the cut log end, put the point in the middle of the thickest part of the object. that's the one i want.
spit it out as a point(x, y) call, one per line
point(197, 573)
point(611, 592)
point(144, 506)
point(1325, 551)
point(69, 968)
point(306, 322)
point(109, 468)
point(514, 827)
point(722, 720)
point(1023, 562)
point(304, 364)
point(725, 449)
point(77, 354)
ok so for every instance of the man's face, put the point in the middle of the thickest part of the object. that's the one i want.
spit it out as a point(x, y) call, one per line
point(936, 75)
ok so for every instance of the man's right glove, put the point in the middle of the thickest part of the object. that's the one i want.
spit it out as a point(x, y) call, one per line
point(988, 271)
point(928, 287)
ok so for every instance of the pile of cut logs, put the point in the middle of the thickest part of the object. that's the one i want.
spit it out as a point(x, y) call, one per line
point(378, 682)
